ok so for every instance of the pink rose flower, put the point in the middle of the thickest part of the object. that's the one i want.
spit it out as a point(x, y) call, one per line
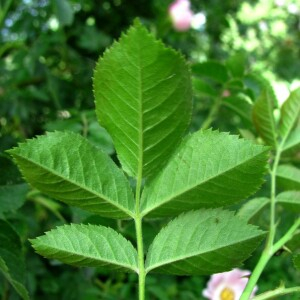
point(227, 286)
point(181, 14)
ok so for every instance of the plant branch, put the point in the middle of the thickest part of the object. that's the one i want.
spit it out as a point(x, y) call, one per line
point(268, 250)
point(277, 292)
point(212, 114)
point(139, 238)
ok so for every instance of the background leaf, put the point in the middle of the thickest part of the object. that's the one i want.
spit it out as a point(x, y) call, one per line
point(88, 246)
point(290, 200)
point(288, 177)
point(212, 70)
point(210, 169)
point(12, 196)
point(202, 242)
point(67, 167)
point(11, 259)
point(290, 112)
point(296, 260)
point(293, 141)
point(252, 207)
point(263, 117)
point(143, 99)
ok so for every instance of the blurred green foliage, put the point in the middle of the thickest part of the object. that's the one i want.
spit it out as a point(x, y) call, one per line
point(48, 51)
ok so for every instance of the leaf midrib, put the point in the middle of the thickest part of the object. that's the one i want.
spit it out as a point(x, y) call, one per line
point(165, 262)
point(76, 184)
point(168, 199)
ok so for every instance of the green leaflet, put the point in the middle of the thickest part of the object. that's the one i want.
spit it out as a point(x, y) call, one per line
point(88, 246)
point(210, 169)
point(241, 105)
point(202, 242)
point(212, 70)
point(293, 141)
point(252, 207)
point(290, 200)
point(67, 167)
point(263, 117)
point(11, 259)
point(288, 177)
point(143, 98)
point(290, 113)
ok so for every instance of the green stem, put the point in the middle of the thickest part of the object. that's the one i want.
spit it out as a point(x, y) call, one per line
point(268, 250)
point(140, 247)
point(139, 238)
point(278, 292)
point(5, 290)
point(212, 114)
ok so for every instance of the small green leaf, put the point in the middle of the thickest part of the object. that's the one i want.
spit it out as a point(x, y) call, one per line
point(296, 260)
point(288, 177)
point(12, 196)
point(67, 167)
point(143, 98)
point(290, 200)
point(293, 141)
point(252, 207)
point(290, 113)
point(202, 242)
point(241, 105)
point(210, 169)
point(12, 264)
point(236, 64)
point(88, 246)
point(202, 88)
point(211, 70)
point(263, 118)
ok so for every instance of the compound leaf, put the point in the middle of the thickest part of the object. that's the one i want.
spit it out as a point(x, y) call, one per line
point(250, 209)
point(290, 112)
point(210, 169)
point(202, 242)
point(143, 98)
point(88, 246)
point(290, 200)
point(288, 177)
point(263, 117)
point(67, 167)
point(12, 264)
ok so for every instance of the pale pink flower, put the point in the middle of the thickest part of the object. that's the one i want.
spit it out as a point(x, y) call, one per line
point(227, 286)
point(181, 14)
